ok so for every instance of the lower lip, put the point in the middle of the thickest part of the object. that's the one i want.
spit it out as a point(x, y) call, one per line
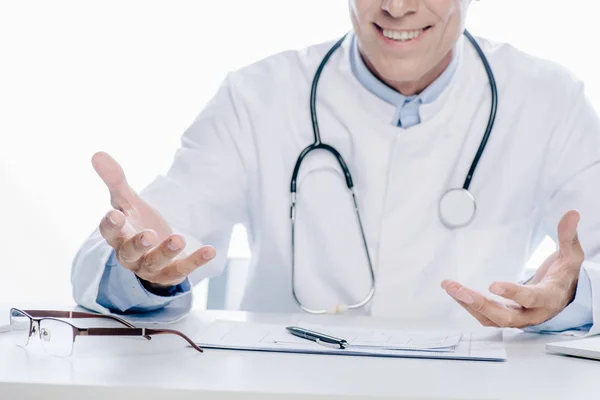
point(401, 44)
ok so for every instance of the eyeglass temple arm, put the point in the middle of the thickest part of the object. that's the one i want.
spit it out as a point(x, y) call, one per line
point(77, 314)
point(134, 332)
point(74, 314)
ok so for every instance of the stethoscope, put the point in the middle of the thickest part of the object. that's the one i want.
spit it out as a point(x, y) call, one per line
point(457, 206)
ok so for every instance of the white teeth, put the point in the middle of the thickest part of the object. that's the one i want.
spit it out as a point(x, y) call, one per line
point(402, 36)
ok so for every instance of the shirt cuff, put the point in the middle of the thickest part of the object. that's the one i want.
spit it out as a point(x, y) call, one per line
point(577, 315)
point(120, 289)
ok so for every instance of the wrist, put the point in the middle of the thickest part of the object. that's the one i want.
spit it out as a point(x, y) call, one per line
point(573, 290)
point(159, 289)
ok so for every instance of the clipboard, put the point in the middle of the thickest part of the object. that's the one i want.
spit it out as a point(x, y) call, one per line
point(250, 336)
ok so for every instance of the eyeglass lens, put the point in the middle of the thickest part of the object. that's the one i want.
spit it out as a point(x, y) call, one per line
point(56, 335)
point(20, 327)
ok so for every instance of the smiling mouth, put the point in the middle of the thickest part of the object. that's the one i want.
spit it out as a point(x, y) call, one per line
point(402, 36)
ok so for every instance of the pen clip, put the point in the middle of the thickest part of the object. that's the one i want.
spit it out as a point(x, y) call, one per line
point(341, 345)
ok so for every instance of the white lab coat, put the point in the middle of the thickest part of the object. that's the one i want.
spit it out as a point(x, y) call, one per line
point(236, 161)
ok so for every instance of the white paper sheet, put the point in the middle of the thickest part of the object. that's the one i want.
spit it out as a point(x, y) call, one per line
point(361, 338)
point(4, 320)
point(486, 346)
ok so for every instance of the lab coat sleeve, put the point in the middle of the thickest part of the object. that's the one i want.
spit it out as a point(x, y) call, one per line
point(571, 178)
point(202, 196)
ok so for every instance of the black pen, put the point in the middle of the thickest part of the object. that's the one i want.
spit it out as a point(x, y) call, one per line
point(320, 338)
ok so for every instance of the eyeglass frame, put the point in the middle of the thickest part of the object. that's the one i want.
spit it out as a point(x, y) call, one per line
point(38, 315)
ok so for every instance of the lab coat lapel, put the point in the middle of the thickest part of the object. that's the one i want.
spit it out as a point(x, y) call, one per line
point(427, 160)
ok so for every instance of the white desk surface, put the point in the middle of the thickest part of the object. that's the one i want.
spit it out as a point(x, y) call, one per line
point(166, 368)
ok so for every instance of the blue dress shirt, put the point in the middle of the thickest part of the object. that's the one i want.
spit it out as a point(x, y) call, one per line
point(121, 290)
point(407, 107)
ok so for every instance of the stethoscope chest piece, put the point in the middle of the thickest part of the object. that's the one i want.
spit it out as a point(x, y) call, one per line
point(457, 208)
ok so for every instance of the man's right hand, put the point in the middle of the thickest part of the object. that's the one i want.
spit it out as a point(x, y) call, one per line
point(143, 241)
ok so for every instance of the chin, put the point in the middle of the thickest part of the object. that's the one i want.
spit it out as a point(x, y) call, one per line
point(400, 71)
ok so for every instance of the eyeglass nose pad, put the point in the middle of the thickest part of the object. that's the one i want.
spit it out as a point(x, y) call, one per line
point(46, 335)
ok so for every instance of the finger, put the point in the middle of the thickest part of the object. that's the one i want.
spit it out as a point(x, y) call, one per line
point(498, 313)
point(568, 240)
point(483, 320)
point(122, 195)
point(112, 228)
point(158, 258)
point(543, 269)
point(451, 288)
point(528, 296)
point(179, 269)
point(133, 248)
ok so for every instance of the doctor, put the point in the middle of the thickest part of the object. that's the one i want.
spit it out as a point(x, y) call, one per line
point(407, 102)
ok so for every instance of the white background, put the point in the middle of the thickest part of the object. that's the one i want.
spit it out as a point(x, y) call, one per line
point(128, 77)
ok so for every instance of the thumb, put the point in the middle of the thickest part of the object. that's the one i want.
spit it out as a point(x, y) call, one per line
point(568, 240)
point(114, 178)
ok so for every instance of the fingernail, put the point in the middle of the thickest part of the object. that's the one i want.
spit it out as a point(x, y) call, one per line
point(111, 220)
point(172, 246)
point(144, 241)
point(499, 290)
point(451, 290)
point(465, 297)
point(208, 254)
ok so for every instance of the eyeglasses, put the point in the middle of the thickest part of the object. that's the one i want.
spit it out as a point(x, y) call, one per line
point(58, 336)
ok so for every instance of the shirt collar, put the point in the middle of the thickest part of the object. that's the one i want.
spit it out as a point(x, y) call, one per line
point(386, 93)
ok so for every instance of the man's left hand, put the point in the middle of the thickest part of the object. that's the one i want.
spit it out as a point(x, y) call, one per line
point(547, 294)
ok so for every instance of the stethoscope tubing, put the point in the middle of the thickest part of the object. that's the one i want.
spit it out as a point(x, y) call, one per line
point(319, 145)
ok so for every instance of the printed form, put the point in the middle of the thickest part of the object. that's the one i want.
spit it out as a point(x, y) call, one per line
point(235, 335)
